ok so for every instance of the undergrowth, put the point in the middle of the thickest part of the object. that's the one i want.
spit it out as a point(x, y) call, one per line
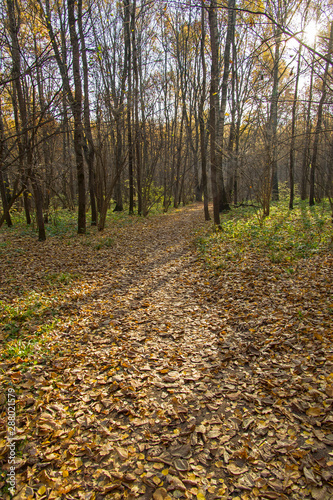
point(26, 324)
point(285, 236)
point(63, 222)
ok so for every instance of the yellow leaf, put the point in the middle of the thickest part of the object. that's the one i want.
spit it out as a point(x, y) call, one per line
point(200, 496)
point(165, 472)
point(42, 490)
point(313, 411)
point(65, 473)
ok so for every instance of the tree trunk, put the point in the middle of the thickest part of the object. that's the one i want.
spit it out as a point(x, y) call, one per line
point(232, 160)
point(22, 127)
point(293, 130)
point(77, 114)
point(272, 134)
point(138, 138)
point(118, 194)
point(38, 197)
point(128, 58)
point(223, 199)
point(3, 190)
point(75, 100)
point(319, 121)
point(89, 146)
point(307, 141)
point(203, 141)
point(214, 108)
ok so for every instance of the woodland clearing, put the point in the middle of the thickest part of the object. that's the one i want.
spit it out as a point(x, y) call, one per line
point(144, 368)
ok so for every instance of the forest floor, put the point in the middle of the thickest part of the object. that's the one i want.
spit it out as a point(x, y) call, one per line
point(141, 372)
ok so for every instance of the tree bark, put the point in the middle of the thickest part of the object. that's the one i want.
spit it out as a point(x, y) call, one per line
point(214, 108)
point(223, 199)
point(307, 141)
point(3, 190)
point(22, 127)
point(272, 135)
point(75, 100)
point(77, 114)
point(293, 133)
point(88, 146)
point(319, 122)
point(138, 138)
point(128, 57)
point(203, 141)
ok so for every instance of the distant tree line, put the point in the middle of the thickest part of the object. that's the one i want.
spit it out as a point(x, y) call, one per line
point(146, 102)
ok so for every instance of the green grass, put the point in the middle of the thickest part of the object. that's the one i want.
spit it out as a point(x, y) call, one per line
point(104, 243)
point(25, 324)
point(61, 278)
point(25, 309)
point(63, 222)
point(285, 236)
point(27, 345)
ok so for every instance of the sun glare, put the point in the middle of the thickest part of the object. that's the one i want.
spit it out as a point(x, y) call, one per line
point(310, 32)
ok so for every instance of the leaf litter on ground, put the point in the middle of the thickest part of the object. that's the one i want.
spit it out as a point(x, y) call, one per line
point(163, 379)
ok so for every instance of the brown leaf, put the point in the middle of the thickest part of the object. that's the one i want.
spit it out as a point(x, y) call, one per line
point(176, 483)
point(160, 494)
point(123, 454)
point(236, 471)
point(181, 465)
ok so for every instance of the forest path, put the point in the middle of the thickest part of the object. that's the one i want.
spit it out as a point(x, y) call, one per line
point(161, 380)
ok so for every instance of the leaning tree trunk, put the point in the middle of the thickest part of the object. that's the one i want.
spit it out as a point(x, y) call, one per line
point(14, 27)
